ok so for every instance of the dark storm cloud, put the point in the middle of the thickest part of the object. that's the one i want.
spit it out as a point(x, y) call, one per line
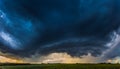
point(77, 27)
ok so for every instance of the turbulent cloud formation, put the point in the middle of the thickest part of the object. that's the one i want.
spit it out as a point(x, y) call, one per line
point(5, 58)
point(62, 58)
point(75, 27)
point(114, 60)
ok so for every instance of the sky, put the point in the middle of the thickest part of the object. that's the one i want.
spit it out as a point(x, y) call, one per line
point(60, 31)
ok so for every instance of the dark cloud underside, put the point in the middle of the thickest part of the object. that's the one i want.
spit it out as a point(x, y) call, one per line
point(77, 27)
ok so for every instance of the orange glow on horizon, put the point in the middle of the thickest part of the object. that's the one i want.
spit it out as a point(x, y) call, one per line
point(9, 60)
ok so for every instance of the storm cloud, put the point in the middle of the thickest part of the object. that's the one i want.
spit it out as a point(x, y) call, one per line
point(76, 27)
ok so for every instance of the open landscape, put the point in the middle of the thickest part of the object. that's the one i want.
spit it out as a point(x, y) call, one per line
point(59, 34)
point(61, 66)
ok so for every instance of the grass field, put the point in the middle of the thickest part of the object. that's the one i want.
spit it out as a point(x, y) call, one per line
point(63, 66)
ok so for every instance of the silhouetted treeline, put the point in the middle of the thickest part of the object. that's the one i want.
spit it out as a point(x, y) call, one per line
point(13, 64)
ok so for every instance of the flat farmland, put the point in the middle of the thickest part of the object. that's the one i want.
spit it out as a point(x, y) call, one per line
point(62, 66)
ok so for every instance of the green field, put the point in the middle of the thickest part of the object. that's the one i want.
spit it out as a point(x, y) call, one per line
point(63, 66)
